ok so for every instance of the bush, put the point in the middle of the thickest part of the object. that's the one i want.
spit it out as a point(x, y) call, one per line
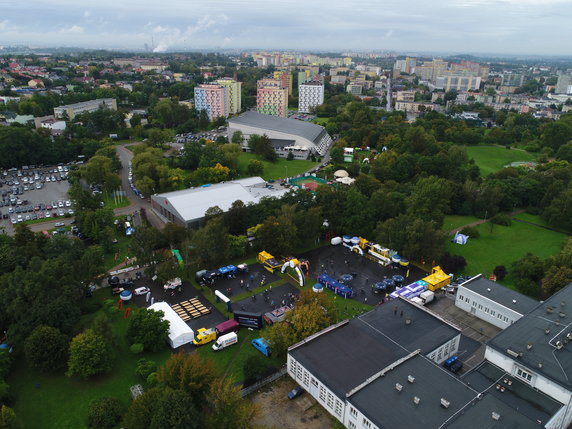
point(255, 367)
point(152, 379)
point(145, 367)
point(500, 272)
point(471, 231)
point(533, 210)
point(47, 349)
point(104, 413)
point(136, 348)
point(89, 306)
point(453, 263)
point(501, 219)
point(532, 147)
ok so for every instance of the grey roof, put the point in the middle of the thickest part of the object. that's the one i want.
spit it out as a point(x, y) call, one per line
point(307, 130)
point(518, 395)
point(540, 339)
point(387, 407)
point(479, 415)
point(346, 356)
point(86, 103)
point(500, 294)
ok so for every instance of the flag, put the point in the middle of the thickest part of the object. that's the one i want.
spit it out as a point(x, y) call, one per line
point(407, 275)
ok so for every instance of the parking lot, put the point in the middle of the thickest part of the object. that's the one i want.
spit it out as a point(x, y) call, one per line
point(31, 194)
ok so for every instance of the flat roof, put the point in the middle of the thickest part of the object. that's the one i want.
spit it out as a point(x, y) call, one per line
point(85, 103)
point(192, 203)
point(307, 130)
point(540, 339)
point(346, 356)
point(387, 407)
point(501, 294)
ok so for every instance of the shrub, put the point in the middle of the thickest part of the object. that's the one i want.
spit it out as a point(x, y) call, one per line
point(500, 272)
point(501, 219)
point(145, 367)
point(453, 263)
point(136, 348)
point(471, 231)
point(104, 413)
point(152, 379)
point(255, 367)
point(533, 210)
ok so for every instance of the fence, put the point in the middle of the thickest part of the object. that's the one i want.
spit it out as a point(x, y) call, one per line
point(248, 390)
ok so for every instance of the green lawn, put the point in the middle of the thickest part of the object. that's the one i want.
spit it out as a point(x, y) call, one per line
point(119, 252)
point(493, 158)
point(56, 401)
point(321, 121)
point(114, 203)
point(276, 170)
point(455, 221)
point(504, 245)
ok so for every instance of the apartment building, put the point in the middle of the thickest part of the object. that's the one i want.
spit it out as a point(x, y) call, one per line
point(234, 90)
point(286, 78)
point(72, 110)
point(311, 95)
point(459, 83)
point(214, 99)
point(272, 97)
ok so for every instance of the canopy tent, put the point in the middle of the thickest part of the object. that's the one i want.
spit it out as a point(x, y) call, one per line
point(460, 238)
point(179, 332)
point(345, 180)
point(341, 173)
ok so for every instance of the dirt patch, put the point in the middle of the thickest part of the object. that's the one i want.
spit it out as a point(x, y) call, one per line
point(277, 411)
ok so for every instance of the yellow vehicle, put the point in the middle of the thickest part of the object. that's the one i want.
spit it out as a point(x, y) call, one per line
point(268, 261)
point(204, 336)
point(437, 279)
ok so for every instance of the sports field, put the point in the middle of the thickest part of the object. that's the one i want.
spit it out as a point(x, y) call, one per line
point(276, 170)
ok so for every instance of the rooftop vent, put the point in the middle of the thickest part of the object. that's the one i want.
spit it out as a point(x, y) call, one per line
point(416, 400)
point(549, 309)
point(513, 353)
point(398, 387)
point(559, 345)
point(529, 346)
point(562, 314)
point(547, 331)
point(514, 301)
point(540, 364)
point(410, 378)
point(495, 416)
point(488, 289)
point(445, 403)
point(408, 320)
point(562, 303)
point(569, 335)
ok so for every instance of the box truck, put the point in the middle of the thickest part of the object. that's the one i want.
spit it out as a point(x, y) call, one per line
point(204, 336)
point(225, 341)
point(227, 326)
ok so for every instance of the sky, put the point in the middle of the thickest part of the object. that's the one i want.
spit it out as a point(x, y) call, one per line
point(456, 26)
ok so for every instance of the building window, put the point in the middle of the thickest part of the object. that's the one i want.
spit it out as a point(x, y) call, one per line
point(322, 394)
point(353, 412)
point(352, 425)
point(330, 402)
point(306, 378)
point(293, 366)
point(460, 297)
point(299, 373)
point(338, 408)
point(467, 299)
point(366, 423)
point(492, 312)
point(474, 303)
point(314, 382)
point(524, 375)
point(486, 309)
point(505, 319)
point(480, 306)
point(499, 316)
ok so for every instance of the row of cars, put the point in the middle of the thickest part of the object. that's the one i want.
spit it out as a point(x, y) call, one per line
point(132, 184)
point(23, 213)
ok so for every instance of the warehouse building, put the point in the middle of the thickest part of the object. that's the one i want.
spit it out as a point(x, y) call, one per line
point(493, 302)
point(72, 110)
point(188, 207)
point(283, 132)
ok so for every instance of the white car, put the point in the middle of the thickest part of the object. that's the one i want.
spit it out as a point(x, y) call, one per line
point(68, 203)
point(57, 224)
point(141, 290)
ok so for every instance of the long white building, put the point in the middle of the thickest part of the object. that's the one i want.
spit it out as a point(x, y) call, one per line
point(311, 95)
point(85, 106)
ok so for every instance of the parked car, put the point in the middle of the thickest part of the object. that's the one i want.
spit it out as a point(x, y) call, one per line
point(58, 224)
point(294, 393)
point(141, 290)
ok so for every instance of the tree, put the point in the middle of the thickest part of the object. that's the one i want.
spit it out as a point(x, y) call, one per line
point(500, 272)
point(237, 217)
point(232, 153)
point(237, 137)
point(210, 243)
point(565, 152)
point(255, 367)
point(147, 327)
point(189, 373)
point(556, 278)
point(277, 235)
point(453, 263)
point(175, 410)
point(104, 413)
point(8, 419)
point(229, 410)
point(47, 349)
point(89, 355)
point(145, 367)
point(255, 167)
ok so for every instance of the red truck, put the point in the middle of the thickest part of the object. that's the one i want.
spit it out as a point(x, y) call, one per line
point(227, 326)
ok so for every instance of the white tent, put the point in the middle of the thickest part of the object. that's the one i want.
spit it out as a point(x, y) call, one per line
point(341, 173)
point(460, 238)
point(179, 332)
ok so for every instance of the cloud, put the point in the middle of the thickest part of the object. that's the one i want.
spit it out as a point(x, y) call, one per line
point(174, 36)
point(87, 14)
point(74, 29)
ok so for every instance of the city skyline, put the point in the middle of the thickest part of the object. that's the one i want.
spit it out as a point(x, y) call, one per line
point(521, 27)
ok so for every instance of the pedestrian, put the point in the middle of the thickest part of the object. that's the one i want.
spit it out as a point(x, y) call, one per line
point(241, 283)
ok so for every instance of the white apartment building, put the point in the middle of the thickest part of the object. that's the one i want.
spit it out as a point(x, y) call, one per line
point(311, 95)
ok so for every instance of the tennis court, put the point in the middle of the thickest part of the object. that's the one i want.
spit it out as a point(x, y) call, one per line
point(310, 182)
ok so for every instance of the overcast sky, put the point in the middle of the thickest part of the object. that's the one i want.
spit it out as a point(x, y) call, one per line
point(464, 26)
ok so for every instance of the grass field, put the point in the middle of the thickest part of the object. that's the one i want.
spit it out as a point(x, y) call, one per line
point(277, 170)
point(504, 245)
point(56, 401)
point(321, 121)
point(114, 203)
point(493, 158)
point(455, 221)
point(120, 249)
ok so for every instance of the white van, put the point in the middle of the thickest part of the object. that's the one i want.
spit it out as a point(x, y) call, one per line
point(225, 341)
